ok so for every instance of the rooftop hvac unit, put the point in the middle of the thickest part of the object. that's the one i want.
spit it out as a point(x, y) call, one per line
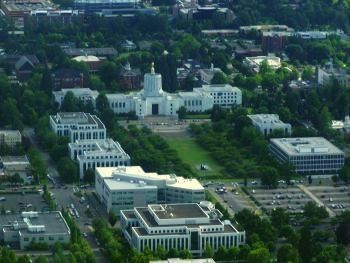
point(30, 214)
point(36, 228)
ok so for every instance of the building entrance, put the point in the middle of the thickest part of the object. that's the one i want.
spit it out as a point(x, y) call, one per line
point(155, 109)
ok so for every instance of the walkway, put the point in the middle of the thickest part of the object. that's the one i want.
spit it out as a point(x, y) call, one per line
point(314, 198)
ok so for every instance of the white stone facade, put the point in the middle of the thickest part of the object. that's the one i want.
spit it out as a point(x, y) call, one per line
point(325, 74)
point(266, 123)
point(78, 126)
point(179, 226)
point(97, 153)
point(127, 187)
point(152, 100)
point(10, 137)
point(83, 94)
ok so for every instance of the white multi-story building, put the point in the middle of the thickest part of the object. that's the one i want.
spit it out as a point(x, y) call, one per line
point(312, 155)
point(78, 126)
point(179, 226)
point(266, 123)
point(83, 94)
point(127, 187)
point(152, 100)
point(10, 137)
point(326, 73)
point(254, 63)
point(97, 153)
point(28, 227)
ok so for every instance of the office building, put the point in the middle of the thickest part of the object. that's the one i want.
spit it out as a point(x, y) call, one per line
point(152, 100)
point(11, 165)
point(95, 6)
point(312, 155)
point(21, 229)
point(127, 187)
point(85, 95)
point(179, 226)
point(267, 123)
point(99, 52)
point(130, 77)
point(254, 63)
point(66, 78)
point(78, 126)
point(97, 153)
point(20, 9)
point(93, 62)
point(274, 41)
point(10, 137)
point(329, 71)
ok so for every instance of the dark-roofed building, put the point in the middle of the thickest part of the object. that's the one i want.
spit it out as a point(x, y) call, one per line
point(64, 78)
point(23, 65)
point(99, 52)
point(130, 77)
point(179, 226)
point(20, 230)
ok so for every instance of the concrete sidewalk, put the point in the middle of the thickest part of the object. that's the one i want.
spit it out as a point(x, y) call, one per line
point(314, 198)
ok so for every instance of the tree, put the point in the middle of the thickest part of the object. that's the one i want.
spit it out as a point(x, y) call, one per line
point(68, 170)
point(259, 255)
point(70, 103)
point(310, 179)
point(46, 83)
point(344, 173)
point(269, 177)
point(112, 217)
point(185, 254)
point(181, 113)
point(295, 52)
point(306, 245)
point(287, 253)
point(311, 210)
point(208, 251)
point(308, 73)
point(219, 78)
point(89, 176)
point(279, 217)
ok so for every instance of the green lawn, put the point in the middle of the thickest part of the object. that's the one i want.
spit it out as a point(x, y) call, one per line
point(191, 153)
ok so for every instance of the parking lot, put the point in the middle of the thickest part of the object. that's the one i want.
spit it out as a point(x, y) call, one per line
point(292, 198)
point(335, 198)
point(16, 203)
point(232, 197)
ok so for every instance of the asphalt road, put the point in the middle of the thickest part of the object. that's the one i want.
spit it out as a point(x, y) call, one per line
point(64, 197)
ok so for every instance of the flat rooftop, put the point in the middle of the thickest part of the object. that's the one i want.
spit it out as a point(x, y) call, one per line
point(27, 6)
point(151, 222)
point(77, 118)
point(219, 87)
point(10, 132)
point(113, 184)
point(177, 211)
point(53, 222)
point(136, 173)
point(307, 145)
point(265, 118)
point(272, 61)
point(95, 146)
point(78, 92)
point(103, 51)
point(14, 159)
